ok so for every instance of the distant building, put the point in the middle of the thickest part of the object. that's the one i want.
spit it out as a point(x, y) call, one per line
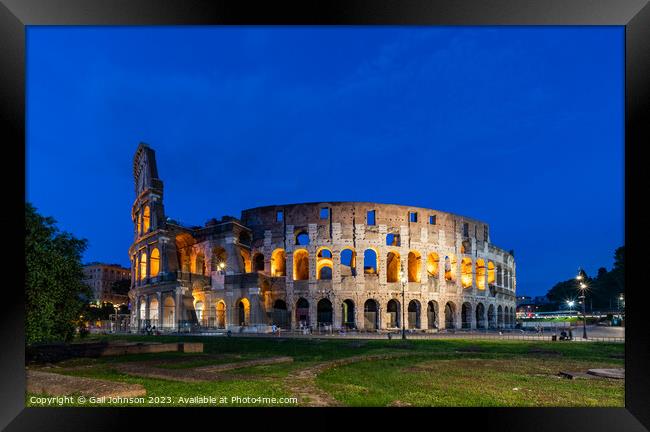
point(100, 277)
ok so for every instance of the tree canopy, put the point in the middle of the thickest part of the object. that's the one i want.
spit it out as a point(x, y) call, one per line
point(54, 289)
point(603, 289)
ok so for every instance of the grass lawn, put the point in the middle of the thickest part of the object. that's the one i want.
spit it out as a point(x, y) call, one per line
point(445, 372)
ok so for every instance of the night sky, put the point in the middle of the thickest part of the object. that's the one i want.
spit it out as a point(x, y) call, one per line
point(520, 127)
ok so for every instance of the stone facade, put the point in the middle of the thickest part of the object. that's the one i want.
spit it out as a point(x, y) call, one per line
point(334, 264)
point(100, 278)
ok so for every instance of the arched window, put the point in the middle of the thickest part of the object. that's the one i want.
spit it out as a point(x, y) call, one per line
point(414, 266)
point(258, 262)
point(370, 261)
point(348, 262)
point(243, 312)
point(153, 311)
point(302, 238)
point(480, 274)
point(143, 266)
point(169, 312)
point(199, 264)
point(433, 264)
point(221, 314)
point(466, 272)
point(324, 264)
point(491, 273)
point(450, 268)
point(154, 266)
point(278, 263)
point(392, 267)
point(146, 219)
point(246, 260)
point(392, 239)
point(300, 264)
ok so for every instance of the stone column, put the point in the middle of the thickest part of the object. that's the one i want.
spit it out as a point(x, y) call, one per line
point(164, 263)
point(424, 318)
point(336, 313)
point(178, 306)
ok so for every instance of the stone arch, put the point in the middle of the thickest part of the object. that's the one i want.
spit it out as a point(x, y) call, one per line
point(492, 319)
point(393, 312)
point(278, 263)
point(324, 264)
point(324, 312)
point(433, 264)
point(450, 267)
point(370, 263)
point(245, 262)
point(280, 314)
point(153, 311)
point(481, 272)
point(301, 237)
point(491, 273)
point(432, 314)
point(393, 266)
point(199, 309)
point(466, 315)
point(302, 311)
point(146, 219)
point(218, 259)
point(169, 312)
point(348, 262)
point(500, 317)
point(143, 266)
point(143, 309)
point(347, 314)
point(258, 262)
point(300, 264)
point(450, 315)
point(466, 272)
point(371, 314)
point(414, 266)
point(199, 264)
point(154, 265)
point(243, 311)
point(221, 314)
point(480, 316)
point(414, 314)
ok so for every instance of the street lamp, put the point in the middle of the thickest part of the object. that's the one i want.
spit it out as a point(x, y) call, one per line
point(582, 287)
point(404, 281)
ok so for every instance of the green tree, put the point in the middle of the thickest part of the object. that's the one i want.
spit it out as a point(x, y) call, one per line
point(121, 286)
point(54, 289)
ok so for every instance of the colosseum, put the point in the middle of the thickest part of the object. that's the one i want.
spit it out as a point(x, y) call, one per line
point(323, 265)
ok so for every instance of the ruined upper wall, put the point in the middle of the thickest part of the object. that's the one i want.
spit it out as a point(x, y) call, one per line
point(349, 214)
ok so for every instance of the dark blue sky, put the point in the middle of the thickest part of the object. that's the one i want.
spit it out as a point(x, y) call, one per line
point(520, 127)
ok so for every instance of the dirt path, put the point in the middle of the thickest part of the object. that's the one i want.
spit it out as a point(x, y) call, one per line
point(60, 385)
point(302, 382)
point(198, 374)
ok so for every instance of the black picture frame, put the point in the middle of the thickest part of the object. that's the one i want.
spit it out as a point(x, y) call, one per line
point(15, 15)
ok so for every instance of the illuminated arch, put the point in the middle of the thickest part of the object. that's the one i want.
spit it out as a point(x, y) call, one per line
point(199, 264)
point(154, 265)
point(433, 264)
point(301, 264)
point(245, 260)
point(324, 263)
point(218, 258)
point(466, 272)
point(143, 265)
point(450, 267)
point(153, 311)
point(393, 265)
point(169, 312)
point(278, 263)
point(243, 308)
point(221, 314)
point(146, 219)
point(414, 266)
point(491, 273)
point(481, 272)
